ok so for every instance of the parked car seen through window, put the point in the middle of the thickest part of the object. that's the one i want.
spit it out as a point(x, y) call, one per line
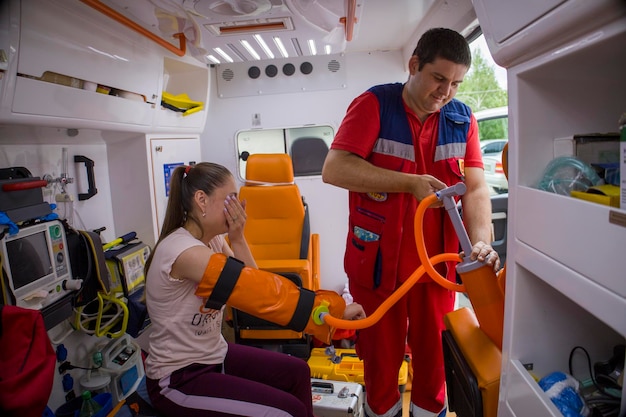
point(493, 129)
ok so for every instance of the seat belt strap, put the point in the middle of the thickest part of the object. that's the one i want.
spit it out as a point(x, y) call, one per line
point(306, 233)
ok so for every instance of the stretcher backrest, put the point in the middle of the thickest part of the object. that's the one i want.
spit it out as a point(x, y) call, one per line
point(278, 233)
point(275, 209)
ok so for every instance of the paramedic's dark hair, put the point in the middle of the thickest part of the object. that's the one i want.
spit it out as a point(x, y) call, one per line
point(442, 43)
point(184, 183)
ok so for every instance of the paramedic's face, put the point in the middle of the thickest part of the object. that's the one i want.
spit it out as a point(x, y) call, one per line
point(434, 86)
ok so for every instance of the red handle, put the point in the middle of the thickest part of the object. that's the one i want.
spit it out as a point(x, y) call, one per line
point(27, 185)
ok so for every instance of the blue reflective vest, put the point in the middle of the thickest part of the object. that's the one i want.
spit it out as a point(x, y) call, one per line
point(371, 259)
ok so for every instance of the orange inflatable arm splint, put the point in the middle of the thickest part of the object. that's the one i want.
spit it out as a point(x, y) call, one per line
point(268, 296)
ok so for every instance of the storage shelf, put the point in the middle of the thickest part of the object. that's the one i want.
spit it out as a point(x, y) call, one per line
point(566, 285)
point(597, 300)
point(575, 233)
point(42, 98)
point(524, 397)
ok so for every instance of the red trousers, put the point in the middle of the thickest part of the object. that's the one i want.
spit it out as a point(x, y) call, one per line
point(382, 346)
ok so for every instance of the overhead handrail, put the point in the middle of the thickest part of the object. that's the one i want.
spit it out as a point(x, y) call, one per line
point(113, 14)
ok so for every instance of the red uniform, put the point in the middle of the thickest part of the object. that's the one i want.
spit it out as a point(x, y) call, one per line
point(380, 248)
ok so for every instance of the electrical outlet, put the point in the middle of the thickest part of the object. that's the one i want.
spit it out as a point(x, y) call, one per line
point(64, 198)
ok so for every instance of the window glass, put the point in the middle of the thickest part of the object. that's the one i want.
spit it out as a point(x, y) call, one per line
point(496, 128)
point(485, 84)
point(306, 145)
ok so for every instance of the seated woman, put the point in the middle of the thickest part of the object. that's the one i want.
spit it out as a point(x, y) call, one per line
point(191, 369)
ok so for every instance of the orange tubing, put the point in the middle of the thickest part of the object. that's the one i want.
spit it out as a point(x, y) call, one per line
point(106, 10)
point(427, 266)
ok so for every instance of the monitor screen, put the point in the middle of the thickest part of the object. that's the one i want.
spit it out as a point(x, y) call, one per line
point(29, 259)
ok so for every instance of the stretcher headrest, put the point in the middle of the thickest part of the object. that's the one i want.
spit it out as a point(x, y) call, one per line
point(269, 168)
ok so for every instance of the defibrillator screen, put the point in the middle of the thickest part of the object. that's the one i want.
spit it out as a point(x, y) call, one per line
point(29, 259)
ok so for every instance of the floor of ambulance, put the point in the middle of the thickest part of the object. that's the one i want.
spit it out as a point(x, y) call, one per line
point(406, 401)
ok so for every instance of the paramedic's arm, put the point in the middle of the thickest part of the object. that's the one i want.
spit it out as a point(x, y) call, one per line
point(477, 216)
point(350, 171)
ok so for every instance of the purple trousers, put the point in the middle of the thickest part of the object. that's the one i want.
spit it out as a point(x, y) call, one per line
point(251, 382)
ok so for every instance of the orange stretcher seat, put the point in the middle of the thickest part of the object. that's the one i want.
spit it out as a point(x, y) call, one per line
point(278, 232)
point(483, 358)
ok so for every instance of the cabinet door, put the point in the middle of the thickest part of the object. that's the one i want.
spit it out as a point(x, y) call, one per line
point(64, 50)
point(519, 15)
point(517, 31)
point(166, 154)
point(79, 42)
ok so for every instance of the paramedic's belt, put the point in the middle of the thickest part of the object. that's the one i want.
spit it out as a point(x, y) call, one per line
point(267, 296)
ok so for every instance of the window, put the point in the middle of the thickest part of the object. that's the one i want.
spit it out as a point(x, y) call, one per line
point(306, 145)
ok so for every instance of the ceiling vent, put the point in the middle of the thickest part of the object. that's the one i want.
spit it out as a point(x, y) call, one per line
point(279, 76)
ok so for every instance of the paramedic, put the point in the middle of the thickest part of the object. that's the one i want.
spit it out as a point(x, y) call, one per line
point(191, 369)
point(397, 144)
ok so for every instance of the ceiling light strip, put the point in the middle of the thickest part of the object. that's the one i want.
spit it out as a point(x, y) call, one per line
point(281, 47)
point(312, 47)
point(263, 46)
point(223, 54)
point(250, 49)
point(213, 59)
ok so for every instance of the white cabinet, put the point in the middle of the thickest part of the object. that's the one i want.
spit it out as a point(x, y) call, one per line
point(566, 266)
point(63, 46)
point(139, 169)
point(516, 31)
point(65, 56)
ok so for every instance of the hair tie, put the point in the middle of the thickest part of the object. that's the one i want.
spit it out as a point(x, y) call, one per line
point(187, 169)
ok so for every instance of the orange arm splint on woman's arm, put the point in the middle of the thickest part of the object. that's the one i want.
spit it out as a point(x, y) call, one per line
point(268, 296)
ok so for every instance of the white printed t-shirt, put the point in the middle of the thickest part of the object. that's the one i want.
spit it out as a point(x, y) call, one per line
point(183, 331)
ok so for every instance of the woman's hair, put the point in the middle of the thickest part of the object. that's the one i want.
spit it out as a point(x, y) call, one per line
point(184, 182)
point(442, 43)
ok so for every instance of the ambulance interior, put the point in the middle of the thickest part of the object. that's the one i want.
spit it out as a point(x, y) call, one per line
point(100, 100)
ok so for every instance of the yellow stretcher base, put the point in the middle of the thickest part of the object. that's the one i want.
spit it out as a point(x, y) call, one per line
point(350, 369)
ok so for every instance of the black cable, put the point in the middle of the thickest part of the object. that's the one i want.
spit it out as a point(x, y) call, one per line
point(608, 404)
point(66, 366)
point(593, 378)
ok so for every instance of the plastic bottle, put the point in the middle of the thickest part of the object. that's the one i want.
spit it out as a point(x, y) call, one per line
point(90, 407)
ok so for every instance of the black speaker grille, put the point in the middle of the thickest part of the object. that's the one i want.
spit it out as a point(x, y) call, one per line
point(228, 74)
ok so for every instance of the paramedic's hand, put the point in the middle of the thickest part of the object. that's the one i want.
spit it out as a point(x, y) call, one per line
point(485, 253)
point(425, 185)
point(235, 212)
point(354, 311)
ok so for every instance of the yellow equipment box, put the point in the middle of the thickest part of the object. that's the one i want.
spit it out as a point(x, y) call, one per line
point(349, 369)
